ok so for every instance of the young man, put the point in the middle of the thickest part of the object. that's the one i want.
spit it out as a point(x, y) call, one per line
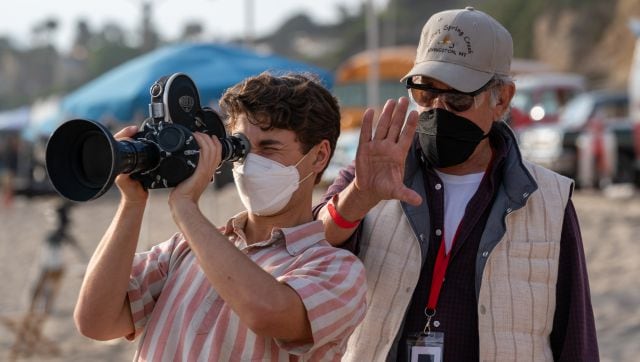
point(472, 253)
point(267, 286)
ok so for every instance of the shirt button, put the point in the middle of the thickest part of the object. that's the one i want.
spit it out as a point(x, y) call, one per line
point(525, 195)
point(438, 186)
point(438, 232)
point(422, 237)
point(485, 254)
point(509, 210)
point(483, 310)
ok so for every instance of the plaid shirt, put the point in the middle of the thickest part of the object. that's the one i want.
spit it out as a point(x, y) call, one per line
point(182, 318)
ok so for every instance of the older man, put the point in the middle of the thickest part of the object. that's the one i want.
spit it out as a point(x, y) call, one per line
point(472, 253)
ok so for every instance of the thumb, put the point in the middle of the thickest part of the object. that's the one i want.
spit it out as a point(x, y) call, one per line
point(407, 195)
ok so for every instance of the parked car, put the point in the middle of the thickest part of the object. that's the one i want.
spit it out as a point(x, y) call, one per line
point(539, 97)
point(581, 144)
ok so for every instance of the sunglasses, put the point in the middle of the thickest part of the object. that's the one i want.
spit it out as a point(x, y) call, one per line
point(424, 95)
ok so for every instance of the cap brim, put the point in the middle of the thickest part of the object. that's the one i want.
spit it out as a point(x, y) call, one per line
point(456, 76)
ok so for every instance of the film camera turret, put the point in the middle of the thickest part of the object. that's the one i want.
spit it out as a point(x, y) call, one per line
point(83, 159)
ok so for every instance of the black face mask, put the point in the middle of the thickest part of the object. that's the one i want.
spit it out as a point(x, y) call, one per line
point(446, 138)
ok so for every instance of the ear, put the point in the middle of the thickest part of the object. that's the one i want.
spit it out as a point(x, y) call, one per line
point(503, 103)
point(322, 156)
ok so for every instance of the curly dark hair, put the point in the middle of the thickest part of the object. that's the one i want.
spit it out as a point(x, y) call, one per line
point(292, 101)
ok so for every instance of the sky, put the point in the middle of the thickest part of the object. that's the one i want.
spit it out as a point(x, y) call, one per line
point(222, 19)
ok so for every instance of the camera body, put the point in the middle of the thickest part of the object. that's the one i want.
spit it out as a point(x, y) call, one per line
point(83, 159)
point(175, 113)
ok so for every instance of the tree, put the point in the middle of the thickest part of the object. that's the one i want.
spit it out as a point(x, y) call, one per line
point(44, 32)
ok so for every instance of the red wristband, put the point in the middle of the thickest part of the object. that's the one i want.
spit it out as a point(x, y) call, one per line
point(338, 219)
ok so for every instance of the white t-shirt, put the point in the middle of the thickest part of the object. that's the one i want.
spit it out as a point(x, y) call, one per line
point(458, 190)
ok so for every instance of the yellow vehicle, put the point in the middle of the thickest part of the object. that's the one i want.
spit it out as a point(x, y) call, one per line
point(351, 80)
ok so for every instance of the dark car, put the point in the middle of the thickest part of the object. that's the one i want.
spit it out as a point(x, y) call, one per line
point(580, 145)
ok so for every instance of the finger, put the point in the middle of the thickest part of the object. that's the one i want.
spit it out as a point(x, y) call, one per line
point(204, 169)
point(217, 151)
point(212, 152)
point(365, 129)
point(202, 149)
point(397, 120)
point(126, 132)
point(205, 144)
point(385, 119)
point(409, 130)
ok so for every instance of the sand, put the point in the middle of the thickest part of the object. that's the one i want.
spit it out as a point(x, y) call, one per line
point(610, 227)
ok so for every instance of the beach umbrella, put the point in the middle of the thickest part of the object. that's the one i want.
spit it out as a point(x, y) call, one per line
point(122, 94)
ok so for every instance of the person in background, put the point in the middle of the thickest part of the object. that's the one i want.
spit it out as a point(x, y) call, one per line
point(9, 168)
point(267, 285)
point(471, 252)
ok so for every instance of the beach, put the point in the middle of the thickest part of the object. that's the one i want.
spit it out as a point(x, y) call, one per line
point(610, 229)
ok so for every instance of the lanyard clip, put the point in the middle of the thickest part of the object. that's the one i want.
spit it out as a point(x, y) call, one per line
point(427, 327)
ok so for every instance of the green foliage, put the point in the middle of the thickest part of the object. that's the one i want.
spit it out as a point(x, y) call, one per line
point(518, 16)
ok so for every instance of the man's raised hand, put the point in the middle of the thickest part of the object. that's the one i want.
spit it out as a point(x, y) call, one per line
point(382, 152)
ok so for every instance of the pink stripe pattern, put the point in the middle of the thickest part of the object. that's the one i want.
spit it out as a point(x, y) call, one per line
point(178, 316)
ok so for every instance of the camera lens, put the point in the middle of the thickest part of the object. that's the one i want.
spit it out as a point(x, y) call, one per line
point(235, 147)
point(93, 150)
point(83, 159)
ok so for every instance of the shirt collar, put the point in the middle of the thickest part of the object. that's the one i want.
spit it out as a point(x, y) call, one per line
point(296, 239)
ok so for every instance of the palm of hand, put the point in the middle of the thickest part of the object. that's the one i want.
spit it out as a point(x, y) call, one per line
point(380, 168)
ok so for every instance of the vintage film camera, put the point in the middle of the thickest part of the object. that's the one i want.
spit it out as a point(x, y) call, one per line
point(83, 159)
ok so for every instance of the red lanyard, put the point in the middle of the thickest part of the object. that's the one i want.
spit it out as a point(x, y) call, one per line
point(439, 271)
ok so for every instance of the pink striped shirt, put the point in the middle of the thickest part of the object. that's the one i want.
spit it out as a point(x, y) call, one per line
point(182, 318)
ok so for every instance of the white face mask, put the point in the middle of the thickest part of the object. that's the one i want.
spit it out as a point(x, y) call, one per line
point(266, 186)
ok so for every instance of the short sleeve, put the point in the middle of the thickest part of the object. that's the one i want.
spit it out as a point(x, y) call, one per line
point(148, 275)
point(332, 286)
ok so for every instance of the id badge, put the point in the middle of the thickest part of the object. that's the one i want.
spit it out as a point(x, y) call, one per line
point(426, 347)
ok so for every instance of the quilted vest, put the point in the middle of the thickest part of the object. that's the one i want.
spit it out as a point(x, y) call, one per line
point(516, 295)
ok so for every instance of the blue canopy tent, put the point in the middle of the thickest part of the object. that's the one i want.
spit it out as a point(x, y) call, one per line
point(122, 94)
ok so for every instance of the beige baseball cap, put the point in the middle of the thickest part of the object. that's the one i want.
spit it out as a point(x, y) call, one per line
point(463, 48)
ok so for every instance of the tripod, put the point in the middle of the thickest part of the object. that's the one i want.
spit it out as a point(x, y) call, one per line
point(28, 329)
